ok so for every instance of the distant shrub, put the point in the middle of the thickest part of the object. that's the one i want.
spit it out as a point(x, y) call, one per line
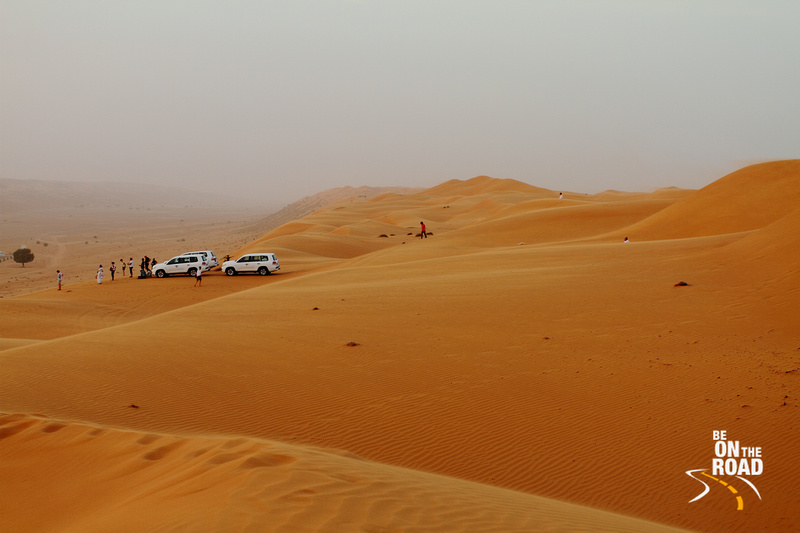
point(23, 255)
point(383, 235)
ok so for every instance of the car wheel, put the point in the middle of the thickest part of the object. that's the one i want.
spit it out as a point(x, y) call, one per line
point(192, 272)
point(161, 274)
point(230, 271)
point(263, 271)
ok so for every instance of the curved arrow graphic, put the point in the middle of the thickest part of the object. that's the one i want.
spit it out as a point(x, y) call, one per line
point(751, 486)
point(689, 473)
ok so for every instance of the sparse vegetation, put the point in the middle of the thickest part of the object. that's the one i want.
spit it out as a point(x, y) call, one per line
point(23, 255)
point(383, 235)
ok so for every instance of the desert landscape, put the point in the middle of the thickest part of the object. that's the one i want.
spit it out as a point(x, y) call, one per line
point(520, 369)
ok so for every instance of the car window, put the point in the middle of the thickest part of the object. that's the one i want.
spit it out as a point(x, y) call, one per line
point(173, 261)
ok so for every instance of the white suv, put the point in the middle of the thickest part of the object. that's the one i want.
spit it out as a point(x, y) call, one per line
point(183, 264)
point(261, 262)
point(211, 259)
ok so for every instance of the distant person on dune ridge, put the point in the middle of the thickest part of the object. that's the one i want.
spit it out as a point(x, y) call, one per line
point(122, 262)
point(422, 233)
point(130, 265)
point(626, 241)
point(561, 196)
point(198, 279)
point(99, 275)
point(60, 277)
point(112, 269)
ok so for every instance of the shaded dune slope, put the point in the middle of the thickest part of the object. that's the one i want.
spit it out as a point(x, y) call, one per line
point(155, 479)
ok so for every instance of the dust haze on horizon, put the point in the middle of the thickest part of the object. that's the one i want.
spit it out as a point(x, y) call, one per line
point(276, 100)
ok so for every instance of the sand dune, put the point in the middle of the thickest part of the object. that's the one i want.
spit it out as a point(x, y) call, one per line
point(483, 185)
point(462, 382)
point(744, 200)
point(774, 243)
point(175, 483)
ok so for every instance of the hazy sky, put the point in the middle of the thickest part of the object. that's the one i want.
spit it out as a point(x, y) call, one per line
point(280, 99)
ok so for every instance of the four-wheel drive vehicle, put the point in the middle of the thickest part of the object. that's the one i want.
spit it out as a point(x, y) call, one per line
point(261, 262)
point(211, 259)
point(183, 264)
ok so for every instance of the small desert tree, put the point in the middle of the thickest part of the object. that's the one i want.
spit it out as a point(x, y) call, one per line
point(23, 255)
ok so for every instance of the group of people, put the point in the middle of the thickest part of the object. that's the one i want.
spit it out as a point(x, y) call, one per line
point(144, 270)
point(145, 267)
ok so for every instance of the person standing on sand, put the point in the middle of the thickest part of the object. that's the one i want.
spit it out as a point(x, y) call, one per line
point(130, 265)
point(99, 275)
point(422, 234)
point(60, 277)
point(122, 262)
point(626, 241)
point(112, 268)
point(561, 196)
point(198, 280)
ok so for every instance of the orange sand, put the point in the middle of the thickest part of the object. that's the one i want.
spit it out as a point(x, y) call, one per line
point(522, 369)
